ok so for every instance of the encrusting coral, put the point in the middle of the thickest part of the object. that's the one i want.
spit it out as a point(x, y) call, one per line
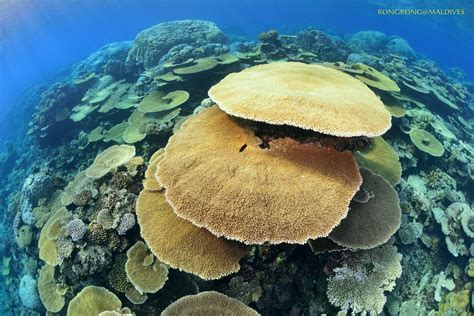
point(254, 195)
point(208, 303)
point(373, 221)
point(117, 276)
point(147, 278)
point(80, 186)
point(24, 236)
point(306, 96)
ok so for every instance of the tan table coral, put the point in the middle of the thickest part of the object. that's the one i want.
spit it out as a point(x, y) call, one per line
point(374, 78)
point(206, 304)
point(217, 177)
point(182, 245)
point(48, 290)
point(307, 96)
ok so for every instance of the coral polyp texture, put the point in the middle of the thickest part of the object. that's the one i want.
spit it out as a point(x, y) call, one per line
point(290, 192)
point(307, 96)
point(264, 174)
point(208, 303)
point(182, 245)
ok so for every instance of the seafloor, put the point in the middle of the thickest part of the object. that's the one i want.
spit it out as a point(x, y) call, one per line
point(75, 240)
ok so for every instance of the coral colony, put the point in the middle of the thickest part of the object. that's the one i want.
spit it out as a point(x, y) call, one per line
point(182, 174)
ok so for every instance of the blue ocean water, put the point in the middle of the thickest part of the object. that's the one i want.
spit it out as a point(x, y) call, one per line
point(40, 37)
point(41, 40)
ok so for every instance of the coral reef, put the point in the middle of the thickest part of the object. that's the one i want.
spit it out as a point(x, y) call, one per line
point(151, 44)
point(129, 179)
point(359, 280)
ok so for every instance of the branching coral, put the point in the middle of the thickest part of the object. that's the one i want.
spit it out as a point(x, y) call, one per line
point(360, 279)
point(76, 229)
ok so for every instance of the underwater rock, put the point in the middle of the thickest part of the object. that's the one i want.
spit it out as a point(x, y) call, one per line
point(97, 60)
point(365, 59)
point(244, 290)
point(409, 232)
point(400, 46)
point(451, 221)
point(28, 292)
point(35, 187)
point(368, 41)
point(151, 44)
point(325, 47)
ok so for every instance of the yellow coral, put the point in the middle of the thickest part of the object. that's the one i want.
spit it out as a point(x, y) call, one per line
point(145, 278)
point(206, 304)
point(92, 300)
point(47, 246)
point(381, 159)
point(217, 176)
point(306, 96)
point(109, 159)
point(47, 288)
point(159, 102)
